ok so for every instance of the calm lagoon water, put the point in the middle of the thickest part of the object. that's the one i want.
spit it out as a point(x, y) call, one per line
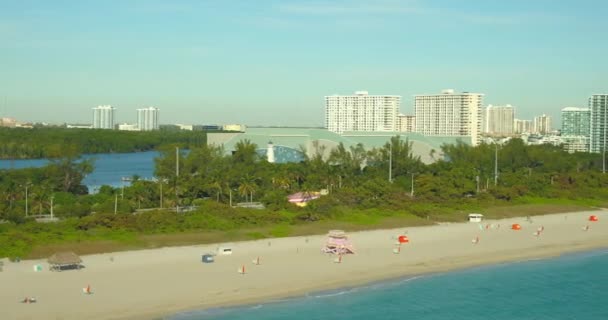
point(569, 287)
point(109, 167)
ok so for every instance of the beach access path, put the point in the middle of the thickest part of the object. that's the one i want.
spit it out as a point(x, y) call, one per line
point(149, 284)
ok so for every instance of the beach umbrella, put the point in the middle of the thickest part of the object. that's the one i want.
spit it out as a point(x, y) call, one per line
point(593, 218)
point(516, 226)
point(403, 239)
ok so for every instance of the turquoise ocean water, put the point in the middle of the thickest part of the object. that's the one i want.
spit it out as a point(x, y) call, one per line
point(568, 287)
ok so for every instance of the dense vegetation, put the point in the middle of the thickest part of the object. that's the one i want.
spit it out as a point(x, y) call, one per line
point(46, 142)
point(357, 181)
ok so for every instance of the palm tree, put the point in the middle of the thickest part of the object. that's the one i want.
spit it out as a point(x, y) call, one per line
point(140, 196)
point(245, 152)
point(11, 196)
point(39, 196)
point(247, 187)
point(217, 186)
point(281, 182)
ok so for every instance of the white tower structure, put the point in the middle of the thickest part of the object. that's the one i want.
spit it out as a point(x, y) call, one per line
point(499, 120)
point(361, 112)
point(270, 152)
point(542, 124)
point(103, 117)
point(147, 119)
point(522, 126)
point(598, 129)
point(449, 114)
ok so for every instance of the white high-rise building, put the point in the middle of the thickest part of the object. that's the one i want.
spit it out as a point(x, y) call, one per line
point(542, 124)
point(361, 112)
point(406, 123)
point(449, 114)
point(522, 126)
point(575, 121)
point(103, 117)
point(498, 120)
point(598, 137)
point(147, 119)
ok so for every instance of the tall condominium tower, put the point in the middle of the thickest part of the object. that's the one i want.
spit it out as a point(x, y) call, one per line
point(103, 117)
point(598, 107)
point(498, 120)
point(522, 126)
point(361, 112)
point(575, 121)
point(407, 123)
point(542, 124)
point(147, 119)
point(449, 114)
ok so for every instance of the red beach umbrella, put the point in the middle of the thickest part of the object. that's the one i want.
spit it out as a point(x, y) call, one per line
point(593, 218)
point(516, 226)
point(403, 239)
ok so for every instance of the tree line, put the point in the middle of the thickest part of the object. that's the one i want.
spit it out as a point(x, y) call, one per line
point(50, 142)
point(377, 181)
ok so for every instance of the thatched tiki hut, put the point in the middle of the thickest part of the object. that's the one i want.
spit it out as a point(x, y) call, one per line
point(64, 260)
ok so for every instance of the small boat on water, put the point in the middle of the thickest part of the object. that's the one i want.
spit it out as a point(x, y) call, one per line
point(127, 179)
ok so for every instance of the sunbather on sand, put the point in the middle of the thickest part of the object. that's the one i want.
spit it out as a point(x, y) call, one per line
point(28, 300)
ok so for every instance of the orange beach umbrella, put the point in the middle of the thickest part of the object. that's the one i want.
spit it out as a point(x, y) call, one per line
point(516, 226)
point(593, 218)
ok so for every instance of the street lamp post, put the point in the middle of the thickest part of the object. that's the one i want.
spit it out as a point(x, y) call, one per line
point(412, 190)
point(177, 161)
point(160, 181)
point(496, 165)
point(390, 163)
point(604, 144)
point(26, 202)
point(52, 197)
point(176, 177)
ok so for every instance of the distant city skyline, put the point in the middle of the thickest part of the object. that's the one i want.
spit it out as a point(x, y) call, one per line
point(272, 62)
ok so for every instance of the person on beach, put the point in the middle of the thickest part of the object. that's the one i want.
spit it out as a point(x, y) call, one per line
point(87, 289)
point(28, 300)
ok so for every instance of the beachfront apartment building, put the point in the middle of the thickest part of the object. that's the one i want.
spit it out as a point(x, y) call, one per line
point(575, 129)
point(449, 114)
point(103, 117)
point(361, 112)
point(575, 143)
point(498, 120)
point(542, 124)
point(407, 123)
point(522, 126)
point(147, 119)
point(575, 121)
point(598, 122)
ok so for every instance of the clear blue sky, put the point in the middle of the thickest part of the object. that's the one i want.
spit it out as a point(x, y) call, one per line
point(271, 62)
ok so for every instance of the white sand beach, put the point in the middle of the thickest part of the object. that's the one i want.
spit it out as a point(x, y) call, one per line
point(149, 284)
